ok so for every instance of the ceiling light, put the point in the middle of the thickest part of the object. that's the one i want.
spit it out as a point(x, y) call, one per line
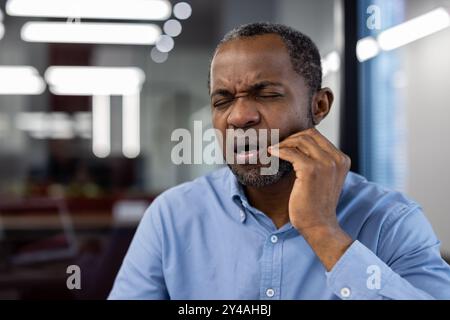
point(101, 126)
point(165, 43)
point(367, 48)
point(131, 139)
point(182, 10)
point(172, 27)
point(414, 29)
point(103, 33)
point(21, 80)
point(71, 80)
point(91, 9)
point(158, 56)
point(331, 63)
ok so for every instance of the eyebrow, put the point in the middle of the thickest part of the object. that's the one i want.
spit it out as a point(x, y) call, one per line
point(254, 87)
point(221, 92)
point(264, 84)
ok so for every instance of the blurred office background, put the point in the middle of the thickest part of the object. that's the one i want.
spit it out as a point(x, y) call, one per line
point(91, 93)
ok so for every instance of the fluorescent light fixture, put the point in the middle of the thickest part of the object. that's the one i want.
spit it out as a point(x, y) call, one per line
point(84, 80)
point(61, 126)
point(367, 48)
point(131, 126)
point(40, 125)
point(101, 83)
point(101, 126)
point(34, 123)
point(331, 63)
point(92, 32)
point(414, 29)
point(82, 124)
point(91, 9)
point(20, 80)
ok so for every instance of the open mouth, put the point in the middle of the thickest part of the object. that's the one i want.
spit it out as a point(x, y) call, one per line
point(246, 153)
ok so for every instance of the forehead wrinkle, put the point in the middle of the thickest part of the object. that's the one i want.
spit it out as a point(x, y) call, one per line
point(236, 65)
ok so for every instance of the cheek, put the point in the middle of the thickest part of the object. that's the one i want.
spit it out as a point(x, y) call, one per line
point(220, 124)
point(287, 122)
point(219, 121)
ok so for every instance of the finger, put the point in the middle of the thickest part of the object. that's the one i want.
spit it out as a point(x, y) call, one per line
point(321, 140)
point(340, 157)
point(307, 145)
point(317, 136)
point(293, 155)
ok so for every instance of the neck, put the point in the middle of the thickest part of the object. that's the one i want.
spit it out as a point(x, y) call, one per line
point(273, 199)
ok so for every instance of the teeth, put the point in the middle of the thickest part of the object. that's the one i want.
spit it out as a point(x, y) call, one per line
point(246, 151)
point(245, 148)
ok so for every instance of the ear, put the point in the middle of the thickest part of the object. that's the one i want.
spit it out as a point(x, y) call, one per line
point(321, 104)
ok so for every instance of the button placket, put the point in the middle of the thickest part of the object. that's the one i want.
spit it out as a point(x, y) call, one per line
point(345, 292)
point(274, 239)
point(270, 292)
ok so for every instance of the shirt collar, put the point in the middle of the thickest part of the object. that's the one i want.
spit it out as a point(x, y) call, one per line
point(238, 196)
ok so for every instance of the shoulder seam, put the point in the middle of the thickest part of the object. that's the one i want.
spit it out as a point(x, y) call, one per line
point(405, 209)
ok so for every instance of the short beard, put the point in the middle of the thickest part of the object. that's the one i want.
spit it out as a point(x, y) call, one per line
point(250, 175)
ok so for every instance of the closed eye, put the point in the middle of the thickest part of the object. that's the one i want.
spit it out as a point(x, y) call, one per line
point(222, 102)
point(269, 95)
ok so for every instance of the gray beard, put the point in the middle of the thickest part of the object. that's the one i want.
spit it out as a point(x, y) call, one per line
point(251, 176)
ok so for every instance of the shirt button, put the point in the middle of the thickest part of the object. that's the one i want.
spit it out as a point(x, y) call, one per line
point(345, 292)
point(274, 239)
point(270, 293)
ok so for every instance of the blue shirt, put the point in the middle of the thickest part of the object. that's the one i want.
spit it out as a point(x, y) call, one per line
point(203, 240)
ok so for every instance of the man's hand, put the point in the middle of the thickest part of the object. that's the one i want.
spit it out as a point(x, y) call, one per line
point(320, 170)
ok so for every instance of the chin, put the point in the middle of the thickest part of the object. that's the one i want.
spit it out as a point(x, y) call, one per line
point(250, 174)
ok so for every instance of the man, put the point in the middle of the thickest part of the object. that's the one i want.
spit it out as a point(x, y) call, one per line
point(313, 230)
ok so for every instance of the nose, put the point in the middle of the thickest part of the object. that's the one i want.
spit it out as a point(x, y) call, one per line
point(243, 113)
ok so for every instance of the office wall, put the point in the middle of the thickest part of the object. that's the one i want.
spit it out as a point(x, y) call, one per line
point(172, 92)
point(322, 22)
point(12, 141)
point(427, 67)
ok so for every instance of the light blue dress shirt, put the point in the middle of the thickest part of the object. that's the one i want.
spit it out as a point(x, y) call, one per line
point(203, 240)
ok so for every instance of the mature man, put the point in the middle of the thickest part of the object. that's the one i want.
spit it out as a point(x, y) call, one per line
point(312, 230)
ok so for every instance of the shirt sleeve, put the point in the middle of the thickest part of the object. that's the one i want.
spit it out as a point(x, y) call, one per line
point(408, 264)
point(141, 275)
